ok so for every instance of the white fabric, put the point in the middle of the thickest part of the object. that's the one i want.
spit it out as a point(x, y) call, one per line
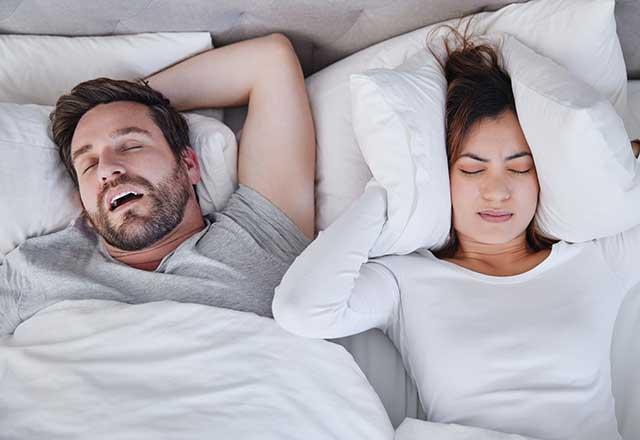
point(37, 195)
point(625, 353)
point(55, 64)
point(634, 97)
point(547, 26)
point(398, 120)
point(37, 69)
point(586, 168)
point(526, 354)
point(107, 370)
point(625, 366)
point(413, 429)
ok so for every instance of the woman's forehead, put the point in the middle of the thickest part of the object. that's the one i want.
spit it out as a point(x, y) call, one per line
point(495, 138)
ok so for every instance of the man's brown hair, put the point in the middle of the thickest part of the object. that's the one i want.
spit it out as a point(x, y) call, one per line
point(86, 95)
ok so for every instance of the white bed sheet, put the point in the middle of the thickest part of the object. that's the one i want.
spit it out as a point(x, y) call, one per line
point(165, 370)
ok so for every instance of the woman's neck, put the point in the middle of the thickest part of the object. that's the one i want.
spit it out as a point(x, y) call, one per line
point(504, 259)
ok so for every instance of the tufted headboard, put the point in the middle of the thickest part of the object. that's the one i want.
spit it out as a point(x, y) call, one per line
point(322, 31)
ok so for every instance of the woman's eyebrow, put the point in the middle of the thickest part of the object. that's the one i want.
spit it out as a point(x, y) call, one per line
point(474, 157)
point(481, 159)
point(520, 154)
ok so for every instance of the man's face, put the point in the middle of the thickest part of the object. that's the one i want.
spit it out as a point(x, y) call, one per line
point(133, 190)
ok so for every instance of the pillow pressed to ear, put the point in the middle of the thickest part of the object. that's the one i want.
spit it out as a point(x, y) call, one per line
point(398, 119)
point(56, 64)
point(587, 172)
point(37, 195)
point(578, 34)
point(586, 168)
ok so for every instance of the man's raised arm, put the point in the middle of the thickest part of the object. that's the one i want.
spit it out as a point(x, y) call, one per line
point(277, 150)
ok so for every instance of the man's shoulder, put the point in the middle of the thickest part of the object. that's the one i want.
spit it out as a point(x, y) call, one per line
point(76, 236)
point(255, 221)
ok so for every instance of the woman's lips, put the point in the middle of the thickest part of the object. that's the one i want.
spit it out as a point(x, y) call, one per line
point(495, 217)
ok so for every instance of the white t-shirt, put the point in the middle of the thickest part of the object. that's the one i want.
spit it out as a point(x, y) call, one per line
point(527, 354)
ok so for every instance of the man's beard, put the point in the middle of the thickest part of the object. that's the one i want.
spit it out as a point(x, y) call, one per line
point(167, 205)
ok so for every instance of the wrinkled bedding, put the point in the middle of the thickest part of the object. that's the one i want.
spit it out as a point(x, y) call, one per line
point(165, 370)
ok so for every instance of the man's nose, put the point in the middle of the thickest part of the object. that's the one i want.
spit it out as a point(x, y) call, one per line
point(109, 167)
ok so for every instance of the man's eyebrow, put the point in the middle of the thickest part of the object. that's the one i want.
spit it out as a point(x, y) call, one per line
point(114, 135)
point(129, 130)
point(481, 159)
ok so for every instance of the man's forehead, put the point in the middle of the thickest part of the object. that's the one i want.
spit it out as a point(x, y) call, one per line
point(105, 118)
point(112, 121)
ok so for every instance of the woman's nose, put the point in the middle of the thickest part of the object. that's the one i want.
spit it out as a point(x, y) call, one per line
point(495, 188)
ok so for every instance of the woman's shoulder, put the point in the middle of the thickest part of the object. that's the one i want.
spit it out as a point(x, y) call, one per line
point(420, 259)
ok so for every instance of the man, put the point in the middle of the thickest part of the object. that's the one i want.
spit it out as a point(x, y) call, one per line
point(142, 236)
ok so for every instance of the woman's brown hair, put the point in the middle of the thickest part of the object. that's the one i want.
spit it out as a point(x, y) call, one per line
point(477, 88)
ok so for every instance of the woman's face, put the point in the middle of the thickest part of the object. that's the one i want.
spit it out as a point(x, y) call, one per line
point(494, 185)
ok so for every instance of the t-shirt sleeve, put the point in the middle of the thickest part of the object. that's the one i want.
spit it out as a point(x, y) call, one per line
point(9, 300)
point(271, 229)
point(622, 254)
point(333, 289)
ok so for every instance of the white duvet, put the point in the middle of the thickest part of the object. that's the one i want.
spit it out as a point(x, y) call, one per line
point(164, 370)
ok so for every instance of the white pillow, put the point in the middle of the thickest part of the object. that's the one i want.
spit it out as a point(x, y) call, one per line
point(579, 34)
point(586, 168)
point(37, 195)
point(398, 120)
point(413, 429)
point(37, 69)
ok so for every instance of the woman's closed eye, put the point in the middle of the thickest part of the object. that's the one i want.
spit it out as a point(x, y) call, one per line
point(515, 171)
point(470, 171)
point(521, 171)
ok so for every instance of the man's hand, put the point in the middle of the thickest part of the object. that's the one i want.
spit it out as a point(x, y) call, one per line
point(277, 149)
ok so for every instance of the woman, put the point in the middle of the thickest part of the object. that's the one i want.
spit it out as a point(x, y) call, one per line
point(502, 329)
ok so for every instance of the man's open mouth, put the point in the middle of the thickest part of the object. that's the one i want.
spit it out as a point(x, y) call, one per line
point(124, 198)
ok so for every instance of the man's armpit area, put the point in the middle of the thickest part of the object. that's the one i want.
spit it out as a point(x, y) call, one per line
point(269, 227)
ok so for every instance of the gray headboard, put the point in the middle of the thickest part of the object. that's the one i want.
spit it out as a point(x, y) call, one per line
point(323, 31)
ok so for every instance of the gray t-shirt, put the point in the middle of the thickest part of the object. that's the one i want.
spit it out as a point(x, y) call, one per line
point(235, 262)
